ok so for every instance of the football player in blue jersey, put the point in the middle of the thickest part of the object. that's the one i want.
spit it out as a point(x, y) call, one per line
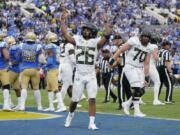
point(29, 54)
point(4, 76)
point(14, 69)
point(52, 66)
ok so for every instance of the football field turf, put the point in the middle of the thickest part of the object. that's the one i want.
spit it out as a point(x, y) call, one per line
point(161, 120)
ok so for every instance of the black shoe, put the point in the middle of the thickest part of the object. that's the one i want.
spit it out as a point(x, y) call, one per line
point(169, 102)
point(106, 102)
point(119, 108)
point(114, 100)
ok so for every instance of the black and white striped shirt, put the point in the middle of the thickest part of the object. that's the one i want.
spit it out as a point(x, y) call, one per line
point(164, 56)
point(123, 57)
point(104, 65)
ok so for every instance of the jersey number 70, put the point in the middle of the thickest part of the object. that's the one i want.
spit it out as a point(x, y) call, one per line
point(141, 55)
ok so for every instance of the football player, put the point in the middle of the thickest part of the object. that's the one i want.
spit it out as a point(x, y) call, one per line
point(14, 69)
point(29, 55)
point(52, 66)
point(4, 75)
point(153, 73)
point(137, 58)
point(85, 77)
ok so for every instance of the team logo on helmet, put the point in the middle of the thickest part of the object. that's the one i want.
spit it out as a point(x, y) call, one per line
point(30, 36)
point(51, 37)
point(10, 41)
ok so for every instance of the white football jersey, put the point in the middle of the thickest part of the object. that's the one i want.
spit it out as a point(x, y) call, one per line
point(86, 53)
point(152, 47)
point(64, 53)
point(136, 55)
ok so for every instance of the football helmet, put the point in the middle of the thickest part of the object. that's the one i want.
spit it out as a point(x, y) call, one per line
point(51, 37)
point(155, 38)
point(93, 30)
point(10, 41)
point(31, 37)
point(2, 35)
point(145, 37)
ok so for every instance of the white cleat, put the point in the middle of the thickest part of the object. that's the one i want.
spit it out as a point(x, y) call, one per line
point(141, 102)
point(79, 106)
point(92, 127)
point(16, 108)
point(139, 114)
point(40, 108)
point(50, 109)
point(7, 109)
point(125, 108)
point(157, 102)
point(62, 109)
point(69, 120)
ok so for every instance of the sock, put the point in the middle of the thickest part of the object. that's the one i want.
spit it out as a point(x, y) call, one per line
point(37, 96)
point(51, 96)
point(91, 119)
point(10, 101)
point(19, 101)
point(6, 97)
point(60, 101)
point(156, 91)
point(23, 97)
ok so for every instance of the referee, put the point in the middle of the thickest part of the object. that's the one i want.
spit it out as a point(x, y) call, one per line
point(123, 84)
point(107, 76)
point(165, 71)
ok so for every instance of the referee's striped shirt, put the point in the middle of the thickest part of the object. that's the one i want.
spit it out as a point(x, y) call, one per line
point(123, 57)
point(164, 56)
point(104, 65)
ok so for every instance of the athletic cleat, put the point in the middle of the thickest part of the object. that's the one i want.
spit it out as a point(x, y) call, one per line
point(62, 109)
point(40, 108)
point(139, 114)
point(169, 102)
point(50, 109)
point(125, 108)
point(141, 102)
point(79, 106)
point(92, 127)
point(7, 109)
point(69, 120)
point(16, 108)
point(158, 103)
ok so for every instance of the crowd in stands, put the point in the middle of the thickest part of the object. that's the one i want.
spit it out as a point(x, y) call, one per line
point(127, 17)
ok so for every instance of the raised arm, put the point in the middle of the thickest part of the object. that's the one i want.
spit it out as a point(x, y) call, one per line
point(66, 35)
point(107, 32)
point(122, 49)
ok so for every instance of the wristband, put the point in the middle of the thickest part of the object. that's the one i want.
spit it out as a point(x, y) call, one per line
point(105, 21)
point(147, 79)
point(112, 61)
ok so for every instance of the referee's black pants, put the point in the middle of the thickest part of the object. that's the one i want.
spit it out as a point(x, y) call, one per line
point(166, 79)
point(123, 87)
point(107, 78)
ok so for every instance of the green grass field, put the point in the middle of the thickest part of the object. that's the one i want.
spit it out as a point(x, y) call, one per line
point(168, 111)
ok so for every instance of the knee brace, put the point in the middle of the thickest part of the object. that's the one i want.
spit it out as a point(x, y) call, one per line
point(6, 87)
point(138, 92)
